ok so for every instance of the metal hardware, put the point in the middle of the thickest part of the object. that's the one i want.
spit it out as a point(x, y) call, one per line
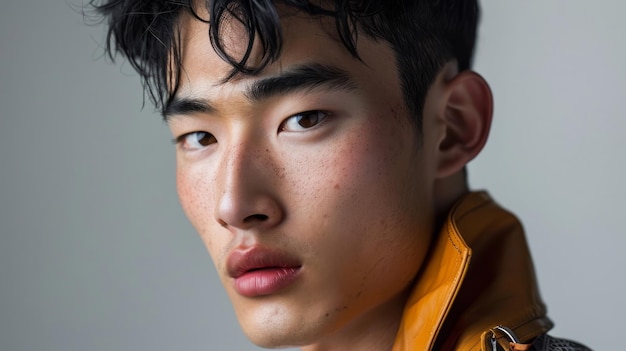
point(507, 332)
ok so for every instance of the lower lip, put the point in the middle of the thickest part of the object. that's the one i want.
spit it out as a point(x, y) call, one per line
point(265, 281)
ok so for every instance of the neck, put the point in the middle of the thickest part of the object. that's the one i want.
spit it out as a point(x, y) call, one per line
point(447, 192)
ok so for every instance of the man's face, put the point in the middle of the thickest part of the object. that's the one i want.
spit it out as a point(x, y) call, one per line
point(313, 195)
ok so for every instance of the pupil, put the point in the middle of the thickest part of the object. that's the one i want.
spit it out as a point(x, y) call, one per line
point(308, 120)
point(204, 139)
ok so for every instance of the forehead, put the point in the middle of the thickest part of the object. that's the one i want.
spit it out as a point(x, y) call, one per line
point(306, 42)
point(305, 39)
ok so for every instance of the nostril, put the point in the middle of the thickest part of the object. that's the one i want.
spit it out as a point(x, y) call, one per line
point(255, 217)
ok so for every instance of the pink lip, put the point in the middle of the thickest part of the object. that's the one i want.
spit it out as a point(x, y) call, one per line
point(258, 271)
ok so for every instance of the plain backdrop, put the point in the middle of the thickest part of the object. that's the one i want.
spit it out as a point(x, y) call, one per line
point(96, 254)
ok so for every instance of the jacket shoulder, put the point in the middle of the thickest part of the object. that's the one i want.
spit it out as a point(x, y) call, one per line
point(546, 342)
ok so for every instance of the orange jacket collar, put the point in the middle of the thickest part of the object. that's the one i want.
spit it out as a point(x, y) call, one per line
point(479, 275)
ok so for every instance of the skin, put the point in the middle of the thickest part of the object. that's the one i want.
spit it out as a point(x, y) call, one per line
point(355, 198)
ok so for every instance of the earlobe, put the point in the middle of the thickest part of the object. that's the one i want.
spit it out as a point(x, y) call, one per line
point(466, 115)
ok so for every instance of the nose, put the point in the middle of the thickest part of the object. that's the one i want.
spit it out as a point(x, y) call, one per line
point(246, 195)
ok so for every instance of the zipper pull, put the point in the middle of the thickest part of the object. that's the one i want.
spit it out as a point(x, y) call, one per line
point(514, 342)
point(494, 343)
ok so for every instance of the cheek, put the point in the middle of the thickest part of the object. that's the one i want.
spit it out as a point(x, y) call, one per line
point(362, 182)
point(324, 178)
point(372, 163)
point(364, 215)
point(187, 188)
point(195, 192)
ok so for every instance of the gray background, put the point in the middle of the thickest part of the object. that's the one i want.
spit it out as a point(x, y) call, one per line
point(95, 253)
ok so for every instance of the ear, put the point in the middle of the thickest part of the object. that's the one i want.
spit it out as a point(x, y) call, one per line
point(466, 114)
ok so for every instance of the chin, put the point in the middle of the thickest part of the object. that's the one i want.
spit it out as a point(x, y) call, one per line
point(276, 337)
point(271, 341)
point(270, 326)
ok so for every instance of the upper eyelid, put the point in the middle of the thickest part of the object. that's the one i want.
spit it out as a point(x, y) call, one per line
point(326, 114)
point(181, 138)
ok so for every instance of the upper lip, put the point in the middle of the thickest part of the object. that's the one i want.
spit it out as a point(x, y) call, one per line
point(243, 260)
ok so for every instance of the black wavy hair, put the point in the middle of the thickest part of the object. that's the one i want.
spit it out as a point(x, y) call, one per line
point(424, 34)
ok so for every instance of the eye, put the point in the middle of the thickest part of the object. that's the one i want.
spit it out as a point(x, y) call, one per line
point(304, 120)
point(195, 140)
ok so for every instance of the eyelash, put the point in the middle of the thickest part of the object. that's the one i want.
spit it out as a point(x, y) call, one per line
point(182, 140)
point(321, 117)
point(319, 121)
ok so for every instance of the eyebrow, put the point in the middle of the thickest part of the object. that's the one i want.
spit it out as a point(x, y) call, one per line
point(300, 78)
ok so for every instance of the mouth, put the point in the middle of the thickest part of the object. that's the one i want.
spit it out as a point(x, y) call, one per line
point(260, 272)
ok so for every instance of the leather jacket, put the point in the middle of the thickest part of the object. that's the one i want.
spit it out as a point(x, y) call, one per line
point(477, 289)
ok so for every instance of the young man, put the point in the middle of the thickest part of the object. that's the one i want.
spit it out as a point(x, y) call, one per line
point(321, 152)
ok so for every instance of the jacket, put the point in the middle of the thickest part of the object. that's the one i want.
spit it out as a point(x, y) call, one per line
point(477, 289)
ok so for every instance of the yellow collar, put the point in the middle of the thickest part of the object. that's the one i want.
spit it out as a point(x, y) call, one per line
point(479, 275)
